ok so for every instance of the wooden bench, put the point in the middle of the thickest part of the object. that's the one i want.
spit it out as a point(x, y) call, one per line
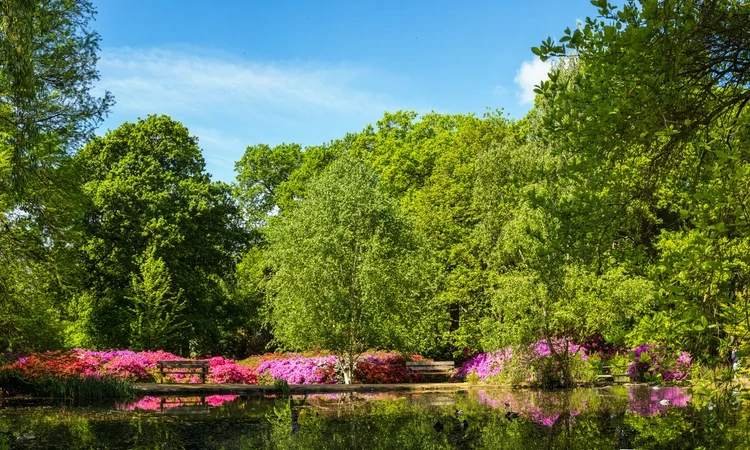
point(614, 377)
point(197, 367)
point(430, 368)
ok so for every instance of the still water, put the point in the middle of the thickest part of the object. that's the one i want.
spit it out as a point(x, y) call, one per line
point(615, 417)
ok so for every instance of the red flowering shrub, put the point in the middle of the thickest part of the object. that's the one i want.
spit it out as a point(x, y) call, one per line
point(381, 368)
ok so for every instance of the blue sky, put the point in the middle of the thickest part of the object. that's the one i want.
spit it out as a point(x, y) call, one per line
point(239, 73)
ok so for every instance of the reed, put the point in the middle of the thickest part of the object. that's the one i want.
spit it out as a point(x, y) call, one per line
point(78, 389)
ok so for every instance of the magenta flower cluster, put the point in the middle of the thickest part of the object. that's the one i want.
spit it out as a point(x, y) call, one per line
point(301, 370)
point(127, 364)
point(541, 348)
point(224, 371)
point(650, 361)
point(485, 364)
point(493, 363)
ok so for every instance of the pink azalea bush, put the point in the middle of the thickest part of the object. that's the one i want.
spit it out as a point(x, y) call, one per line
point(227, 371)
point(124, 364)
point(485, 365)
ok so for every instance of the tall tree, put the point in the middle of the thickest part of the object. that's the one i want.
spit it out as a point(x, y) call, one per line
point(429, 164)
point(47, 69)
point(260, 171)
point(158, 232)
point(347, 269)
point(653, 126)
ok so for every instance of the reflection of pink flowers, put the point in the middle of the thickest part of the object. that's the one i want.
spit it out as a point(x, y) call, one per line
point(156, 404)
point(541, 407)
point(218, 400)
point(550, 409)
point(647, 402)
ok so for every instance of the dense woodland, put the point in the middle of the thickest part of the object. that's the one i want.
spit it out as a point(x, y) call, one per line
point(619, 206)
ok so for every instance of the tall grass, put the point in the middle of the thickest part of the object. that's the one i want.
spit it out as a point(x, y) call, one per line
point(74, 388)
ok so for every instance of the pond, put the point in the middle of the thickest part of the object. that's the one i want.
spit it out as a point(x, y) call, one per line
point(604, 418)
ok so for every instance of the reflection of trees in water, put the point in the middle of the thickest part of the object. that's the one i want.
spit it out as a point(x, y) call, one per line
point(386, 421)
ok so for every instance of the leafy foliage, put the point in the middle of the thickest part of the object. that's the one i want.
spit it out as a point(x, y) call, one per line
point(159, 238)
point(346, 266)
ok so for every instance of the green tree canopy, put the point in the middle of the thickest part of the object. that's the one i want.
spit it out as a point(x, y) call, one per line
point(347, 266)
point(652, 125)
point(159, 237)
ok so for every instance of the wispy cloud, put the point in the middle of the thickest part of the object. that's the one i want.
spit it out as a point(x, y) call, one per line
point(530, 74)
point(193, 80)
point(230, 102)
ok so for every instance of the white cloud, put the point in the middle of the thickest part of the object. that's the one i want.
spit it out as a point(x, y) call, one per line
point(529, 75)
point(230, 103)
point(157, 78)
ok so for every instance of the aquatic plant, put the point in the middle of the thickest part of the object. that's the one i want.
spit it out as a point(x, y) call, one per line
point(77, 388)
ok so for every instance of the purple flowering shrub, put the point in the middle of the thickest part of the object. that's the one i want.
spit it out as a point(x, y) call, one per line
point(535, 365)
point(319, 368)
point(301, 370)
point(485, 365)
point(652, 363)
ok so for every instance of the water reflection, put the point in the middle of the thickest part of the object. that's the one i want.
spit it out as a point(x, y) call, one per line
point(177, 404)
point(612, 417)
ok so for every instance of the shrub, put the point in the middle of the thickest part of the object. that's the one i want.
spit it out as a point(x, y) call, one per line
point(122, 365)
point(301, 370)
point(652, 363)
point(381, 369)
point(71, 387)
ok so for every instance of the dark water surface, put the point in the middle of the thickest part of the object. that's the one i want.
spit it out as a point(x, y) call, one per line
point(603, 418)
